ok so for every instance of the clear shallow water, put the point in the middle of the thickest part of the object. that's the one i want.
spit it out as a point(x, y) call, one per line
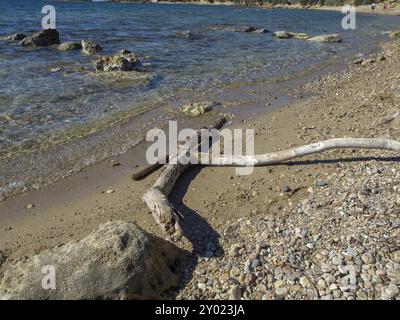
point(35, 103)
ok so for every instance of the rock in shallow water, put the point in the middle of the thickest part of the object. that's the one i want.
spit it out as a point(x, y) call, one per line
point(42, 38)
point(90, 47)
point(197, 109)
point(122, 61)
point(327, 38)
point(117, 261)
point(14, 37)
point(66, 46)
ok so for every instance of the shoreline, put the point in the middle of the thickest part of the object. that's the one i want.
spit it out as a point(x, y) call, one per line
point(77, 205)
point(359, 9)
point(63, 212)
point(290, 221)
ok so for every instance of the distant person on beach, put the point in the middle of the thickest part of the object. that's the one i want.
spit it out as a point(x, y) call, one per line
point(373, 6)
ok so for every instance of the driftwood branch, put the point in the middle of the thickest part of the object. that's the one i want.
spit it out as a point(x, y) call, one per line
point(289, 154)
point(156, 197)
point(168, 218)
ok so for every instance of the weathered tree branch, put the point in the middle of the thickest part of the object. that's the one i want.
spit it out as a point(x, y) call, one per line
point(156, 197)
point(168, 218)
point(289, 154)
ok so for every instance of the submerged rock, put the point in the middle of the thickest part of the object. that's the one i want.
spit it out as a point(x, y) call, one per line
point(42, 38)
point(117, 261)
point(14, 37)
point(125, 60)
point(327, 38)
point(261, 31)
point(66, 46)
point(197, 109)
point(90, 47)
point(188, 34)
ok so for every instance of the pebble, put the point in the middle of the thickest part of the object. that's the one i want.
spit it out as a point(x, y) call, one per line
point(321, 183)
point(110, 191)
point(235, 293)
point(30, 206)
point(255, 263)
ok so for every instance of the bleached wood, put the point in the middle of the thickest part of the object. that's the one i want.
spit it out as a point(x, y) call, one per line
point(301, 151)
point(156, 197)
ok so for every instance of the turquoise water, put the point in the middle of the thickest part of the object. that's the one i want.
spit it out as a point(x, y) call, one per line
point(34, 101)
point(37, 105)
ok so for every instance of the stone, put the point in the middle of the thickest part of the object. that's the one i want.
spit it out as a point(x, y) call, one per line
point(286, 189)
point(289, 35)
point(337, 261)
point(42, 38)
point(14, 37)
point(327, 38)
point(321, 183)
point(394, 34)
point(367, 258)
point(282, 35)
point(390, 291)
point(67, 46)
point(110, 191)
point(255, 263)
point(281, 291)
point(197, 109)
point(236, 292)
point(90, 47)
point(30, 206)
point(117, 261)
point(299, 35)
point(122, 61)
point(56, 69)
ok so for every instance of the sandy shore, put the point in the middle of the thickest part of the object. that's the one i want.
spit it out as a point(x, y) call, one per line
point(224, 212)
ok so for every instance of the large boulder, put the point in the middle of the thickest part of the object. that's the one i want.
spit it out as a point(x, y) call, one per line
point(117, 261)
point(42, 38)
point(90, 47)
point(327, 38)
point(14, 37)
point(124, 60)
point(67, 46)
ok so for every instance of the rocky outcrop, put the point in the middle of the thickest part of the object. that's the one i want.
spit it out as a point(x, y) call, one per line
point(327, 38)
point(67, 46)
point(125, 60)
point(117, 261)
point(289, 35)
point(90, 47)
point(14, 37)
point(197, 109)
point(42, 38)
